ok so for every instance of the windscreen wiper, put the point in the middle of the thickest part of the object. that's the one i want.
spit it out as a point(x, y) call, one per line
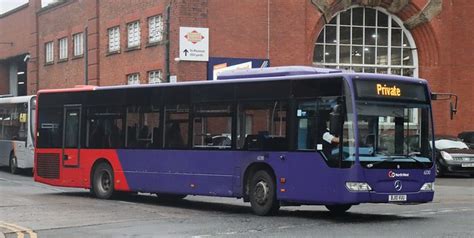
point(412, 156)
point(389, 158)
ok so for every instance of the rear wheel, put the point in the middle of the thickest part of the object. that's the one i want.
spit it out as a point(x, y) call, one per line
point(13, 164)
point(103, 181)
point(338, 209)
point(262, 194)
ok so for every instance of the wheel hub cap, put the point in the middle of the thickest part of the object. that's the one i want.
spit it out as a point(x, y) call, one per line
point(261, 192)
point(105, 181)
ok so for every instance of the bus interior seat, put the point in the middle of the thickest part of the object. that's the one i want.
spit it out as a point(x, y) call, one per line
point(259, 142)
point(156, 137)
point(173, 138)
point(369, 140)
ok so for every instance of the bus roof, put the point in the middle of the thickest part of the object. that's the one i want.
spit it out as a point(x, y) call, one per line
point(276, 72)
point(254, 75)
point(12, 99)
point(77, 88)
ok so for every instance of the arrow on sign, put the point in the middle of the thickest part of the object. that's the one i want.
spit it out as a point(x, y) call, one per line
point(186, 52)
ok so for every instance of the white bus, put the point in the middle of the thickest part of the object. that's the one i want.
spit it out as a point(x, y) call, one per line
point(17, 115)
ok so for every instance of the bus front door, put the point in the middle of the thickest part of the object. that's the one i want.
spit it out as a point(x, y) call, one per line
point(71, 135)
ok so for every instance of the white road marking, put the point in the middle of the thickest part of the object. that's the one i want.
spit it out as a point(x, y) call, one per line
point(19, 233)
point(30, 232)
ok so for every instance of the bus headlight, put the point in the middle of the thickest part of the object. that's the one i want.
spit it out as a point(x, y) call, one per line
point(446, 155)
point(427, 187)
point(358, 187)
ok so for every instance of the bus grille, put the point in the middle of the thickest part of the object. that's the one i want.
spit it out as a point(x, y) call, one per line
point(48, 165)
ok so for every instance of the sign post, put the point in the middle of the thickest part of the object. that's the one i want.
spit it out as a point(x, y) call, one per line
point(193, 44)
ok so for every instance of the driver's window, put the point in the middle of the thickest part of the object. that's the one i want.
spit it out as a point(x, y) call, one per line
point(313, 126)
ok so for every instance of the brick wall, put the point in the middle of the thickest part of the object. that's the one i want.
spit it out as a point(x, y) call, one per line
point(187, 13)
point(16, 27)
point(55, 23)
point(114, 68)
point(283, 30)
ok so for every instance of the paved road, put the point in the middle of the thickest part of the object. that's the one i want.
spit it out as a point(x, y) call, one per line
point(30, 209)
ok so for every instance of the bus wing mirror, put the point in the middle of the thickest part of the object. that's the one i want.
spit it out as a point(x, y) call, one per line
point(453, 104)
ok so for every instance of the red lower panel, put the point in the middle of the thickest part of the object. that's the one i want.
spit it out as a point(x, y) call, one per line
point(48, 161)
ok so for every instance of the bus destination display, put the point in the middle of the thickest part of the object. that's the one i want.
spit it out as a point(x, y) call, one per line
point(382, 89)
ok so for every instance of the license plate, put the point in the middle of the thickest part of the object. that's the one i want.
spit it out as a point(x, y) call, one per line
point(397, 198)
point(467, 165)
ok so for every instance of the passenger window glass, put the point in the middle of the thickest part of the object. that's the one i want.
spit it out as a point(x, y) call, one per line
point(212, 127)
point(105, 127)
point(176, 126)
point(72, 120)
point(262, 126)
point(143, 127)
point(313, 125)
point(50, 128)
point(13, 120)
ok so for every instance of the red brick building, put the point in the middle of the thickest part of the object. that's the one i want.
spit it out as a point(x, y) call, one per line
point(110, 42)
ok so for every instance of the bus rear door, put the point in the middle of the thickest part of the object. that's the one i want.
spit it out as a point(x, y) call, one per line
point(71, 135)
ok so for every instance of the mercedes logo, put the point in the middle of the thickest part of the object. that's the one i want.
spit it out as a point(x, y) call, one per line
point(398, 185)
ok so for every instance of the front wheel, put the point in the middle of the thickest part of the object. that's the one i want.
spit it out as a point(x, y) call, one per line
point(338, 209)
point(262, 194)
point(13, 164)
point(103, 181)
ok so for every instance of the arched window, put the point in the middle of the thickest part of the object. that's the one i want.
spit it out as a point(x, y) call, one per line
point(367, 40)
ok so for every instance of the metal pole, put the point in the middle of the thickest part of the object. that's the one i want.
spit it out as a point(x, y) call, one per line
point(167, 53)
point(86, 58)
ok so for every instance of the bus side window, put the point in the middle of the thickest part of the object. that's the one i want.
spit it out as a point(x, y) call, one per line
point(176, 126)
point(212, 126)
point(105, 127)
point(174, 138)
point(143, 127)
point(50, 128)
point(262, 126)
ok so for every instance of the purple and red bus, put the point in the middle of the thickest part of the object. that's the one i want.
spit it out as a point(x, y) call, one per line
point(258, 134)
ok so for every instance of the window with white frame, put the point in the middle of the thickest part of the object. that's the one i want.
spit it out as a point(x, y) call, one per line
point(49, 52)
point(367, 40)
point(78, 41)
point(63, 48)
point(133, 34)
point(155, 77)
point(155, 29)
point(133, 79)
point(114, 39)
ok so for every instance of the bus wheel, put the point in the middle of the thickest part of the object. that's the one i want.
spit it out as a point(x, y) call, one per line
point(13, 164)
point(262, 194)
point(439, 170)
point(103, 181)
point(338, 209)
